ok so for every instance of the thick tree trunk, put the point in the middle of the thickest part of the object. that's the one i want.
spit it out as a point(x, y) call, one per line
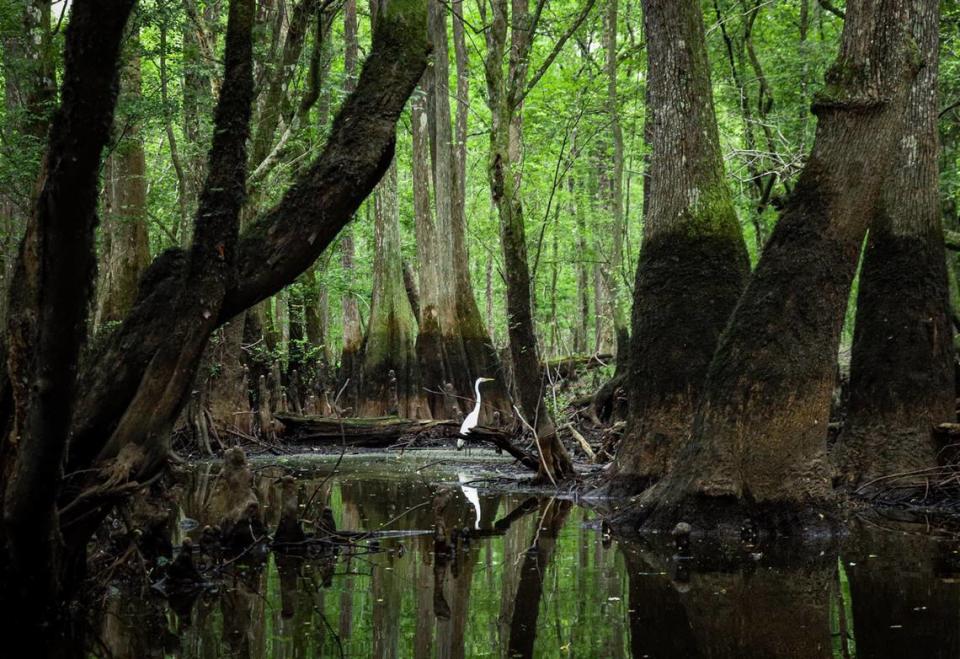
point(453, 344)
point(429, 342)
point(126, 242)
point(390, 380)
point(759, 436)
point(694, 263)
point(282, 243)
point(902, 372)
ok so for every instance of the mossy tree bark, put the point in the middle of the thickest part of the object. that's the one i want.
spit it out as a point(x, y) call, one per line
point(390, 378)
point(758, 444)
point(694, 263)
point(902, 372)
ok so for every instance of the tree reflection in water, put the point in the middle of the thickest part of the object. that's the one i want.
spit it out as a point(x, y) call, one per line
point(538, 578)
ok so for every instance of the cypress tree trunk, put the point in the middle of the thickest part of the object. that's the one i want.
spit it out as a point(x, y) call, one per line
point(126, 252)
point(453, 345)
point(902, 373)
point(694, 263)
point(505, 94)
point(429, 342)
point(390, 383)
point(482, 357)
point(758, 444)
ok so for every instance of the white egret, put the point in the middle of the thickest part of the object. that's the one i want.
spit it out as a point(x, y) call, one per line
point(471, 421)
point(472, 496)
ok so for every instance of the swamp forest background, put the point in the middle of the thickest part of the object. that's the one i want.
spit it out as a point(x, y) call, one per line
point(710, 246)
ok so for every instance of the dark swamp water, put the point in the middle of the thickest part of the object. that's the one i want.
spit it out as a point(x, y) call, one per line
point(461, 572)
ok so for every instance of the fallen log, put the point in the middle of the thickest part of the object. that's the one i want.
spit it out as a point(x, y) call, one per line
point(366, 431)
point(380, 432)
point(566, 367)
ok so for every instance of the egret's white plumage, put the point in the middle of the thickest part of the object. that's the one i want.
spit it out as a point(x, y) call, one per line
point(472, 496)
point(474, 417)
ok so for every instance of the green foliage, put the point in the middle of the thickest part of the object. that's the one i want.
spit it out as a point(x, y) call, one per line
point(767, 61)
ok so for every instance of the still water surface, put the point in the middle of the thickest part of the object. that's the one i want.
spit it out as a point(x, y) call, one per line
point(501, 575)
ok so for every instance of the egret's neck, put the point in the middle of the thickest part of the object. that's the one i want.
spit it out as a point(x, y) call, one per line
point(476, 389)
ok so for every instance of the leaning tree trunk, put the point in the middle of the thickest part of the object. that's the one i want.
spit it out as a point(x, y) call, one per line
point(390, 379)
point(902, 373)
point(759, 437)
point(694, 262)
point(125, 239)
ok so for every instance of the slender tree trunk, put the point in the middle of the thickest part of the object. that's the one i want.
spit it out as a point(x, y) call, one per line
point(613, 267)
point(505, 93)
point(694, 262)
point(352, 334)
point(759, 436)
point(582, 303)
point(126, 242)
point(902, 373)
point(523, 339)
point(390, 383)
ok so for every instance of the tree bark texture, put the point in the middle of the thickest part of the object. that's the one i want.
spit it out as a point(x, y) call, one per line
point(759, 435)
point(390, 381)
point(694, 263)
point(902, 371)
